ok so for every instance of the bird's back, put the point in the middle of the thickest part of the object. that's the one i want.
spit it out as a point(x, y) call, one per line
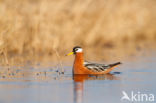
point(95, 67)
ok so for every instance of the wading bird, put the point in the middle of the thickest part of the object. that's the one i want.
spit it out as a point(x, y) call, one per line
point(83, 67)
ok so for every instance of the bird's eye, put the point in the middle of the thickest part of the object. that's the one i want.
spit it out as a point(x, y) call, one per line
point(76, 49)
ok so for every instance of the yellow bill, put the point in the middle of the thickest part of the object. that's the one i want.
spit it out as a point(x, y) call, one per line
point(71, 53)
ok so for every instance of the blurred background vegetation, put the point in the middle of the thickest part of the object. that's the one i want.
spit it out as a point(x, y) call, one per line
point(106, 29)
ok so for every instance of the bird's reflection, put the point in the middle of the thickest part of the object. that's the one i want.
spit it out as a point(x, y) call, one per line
point(79, 83)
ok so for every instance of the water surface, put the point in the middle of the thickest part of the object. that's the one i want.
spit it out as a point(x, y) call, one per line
point(43, 84)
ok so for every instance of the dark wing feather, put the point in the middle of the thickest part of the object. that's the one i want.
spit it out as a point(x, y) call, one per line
point(99, 67)
point(96, 67)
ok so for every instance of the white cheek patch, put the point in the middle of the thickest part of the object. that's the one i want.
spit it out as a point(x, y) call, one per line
point(79, 50)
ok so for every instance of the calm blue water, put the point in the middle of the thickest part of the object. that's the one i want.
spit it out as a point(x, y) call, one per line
point(47, 87)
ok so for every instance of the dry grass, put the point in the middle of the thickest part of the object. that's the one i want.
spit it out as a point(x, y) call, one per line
point(34, 27)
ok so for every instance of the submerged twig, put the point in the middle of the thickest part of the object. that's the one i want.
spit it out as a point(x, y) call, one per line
point(61, 71)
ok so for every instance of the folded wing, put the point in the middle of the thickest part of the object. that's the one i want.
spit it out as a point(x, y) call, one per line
point(99, 67)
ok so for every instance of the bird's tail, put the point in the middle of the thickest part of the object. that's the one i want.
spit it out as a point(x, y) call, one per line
point(114, 64)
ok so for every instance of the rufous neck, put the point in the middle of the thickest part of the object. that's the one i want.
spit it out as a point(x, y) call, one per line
point(79, 58)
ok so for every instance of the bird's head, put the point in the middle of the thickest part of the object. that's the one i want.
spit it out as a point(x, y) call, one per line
point(76, 49)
